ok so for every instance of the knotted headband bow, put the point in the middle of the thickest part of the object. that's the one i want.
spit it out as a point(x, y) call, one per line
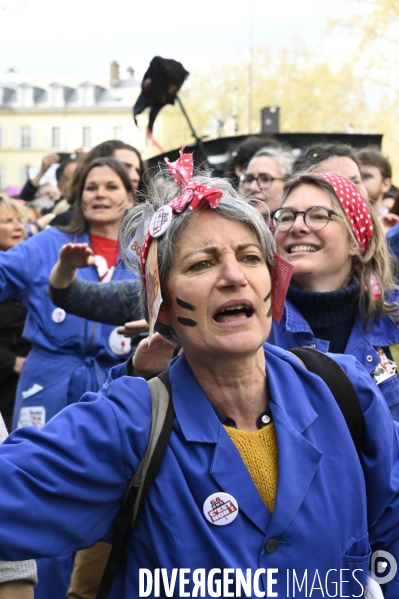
point(355, 207)
point(193, 195)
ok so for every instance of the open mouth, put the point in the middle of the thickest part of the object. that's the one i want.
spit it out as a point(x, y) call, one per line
point(256, 197)
point(234, 312)
point(302, 248)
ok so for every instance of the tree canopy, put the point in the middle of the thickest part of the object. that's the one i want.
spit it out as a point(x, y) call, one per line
point(314, 93)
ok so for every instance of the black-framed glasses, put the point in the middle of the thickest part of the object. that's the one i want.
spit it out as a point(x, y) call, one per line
point(315, 218)
point(263, 180)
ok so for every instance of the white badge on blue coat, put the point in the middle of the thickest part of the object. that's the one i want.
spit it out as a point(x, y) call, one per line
point(119, 344)
point(220, 509)
point(58, 315)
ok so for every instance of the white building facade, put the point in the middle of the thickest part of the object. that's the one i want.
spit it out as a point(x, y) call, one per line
point(44, 113)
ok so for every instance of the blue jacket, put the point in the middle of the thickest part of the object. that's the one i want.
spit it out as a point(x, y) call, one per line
point(393, 240)
point(64, 484)
point(294, 331)
point(67, 357)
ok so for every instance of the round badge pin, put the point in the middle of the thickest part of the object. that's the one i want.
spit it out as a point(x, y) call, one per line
point(58, 315)
point(220, 509)
point(119, 344)
point(160, 221)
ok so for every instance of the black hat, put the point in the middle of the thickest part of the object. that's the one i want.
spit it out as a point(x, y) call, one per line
point(161, 82)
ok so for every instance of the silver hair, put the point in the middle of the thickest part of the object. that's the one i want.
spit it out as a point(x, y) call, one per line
point(164, 189)
point(283, 158)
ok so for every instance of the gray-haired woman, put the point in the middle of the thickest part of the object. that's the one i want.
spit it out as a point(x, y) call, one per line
point(260, 485)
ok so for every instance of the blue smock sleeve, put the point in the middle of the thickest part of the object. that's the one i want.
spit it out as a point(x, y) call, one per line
point(19, 268)
point(63, 485)
point(379, 457)
point(111, 303)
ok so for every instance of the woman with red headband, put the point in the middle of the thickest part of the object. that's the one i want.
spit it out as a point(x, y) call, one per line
point(342, 298)
point(260, 486)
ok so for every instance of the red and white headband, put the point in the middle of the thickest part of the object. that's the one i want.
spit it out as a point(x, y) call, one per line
point(193, 195)
point(354, 205)
point(358, 213)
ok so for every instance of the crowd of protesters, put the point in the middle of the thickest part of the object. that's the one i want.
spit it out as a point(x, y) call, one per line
point(71, 309)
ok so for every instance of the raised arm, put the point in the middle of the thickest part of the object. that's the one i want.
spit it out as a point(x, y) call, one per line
point(31, 186)
point(92, 452)
point(110, 303)
point(72, 256)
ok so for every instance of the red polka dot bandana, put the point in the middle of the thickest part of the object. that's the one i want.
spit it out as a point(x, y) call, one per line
point(354, 205)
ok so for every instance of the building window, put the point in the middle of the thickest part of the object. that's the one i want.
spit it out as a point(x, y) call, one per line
point(86, 138)
point(117, 132)
point(24, 173)
point(25, 137)
point(55, 137)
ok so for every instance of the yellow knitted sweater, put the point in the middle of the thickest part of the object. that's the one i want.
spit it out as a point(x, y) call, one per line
point(258, 450)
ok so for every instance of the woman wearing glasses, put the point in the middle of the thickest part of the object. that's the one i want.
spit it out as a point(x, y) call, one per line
point(264, 177)
point(342, 298)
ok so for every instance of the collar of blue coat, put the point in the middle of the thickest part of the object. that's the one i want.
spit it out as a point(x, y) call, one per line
point(381, 334)
point(293, 390)
point(385, 331)
point(198, 419)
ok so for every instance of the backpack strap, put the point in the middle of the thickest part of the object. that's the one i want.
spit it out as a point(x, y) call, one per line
point(340, 386)
point(161, 426)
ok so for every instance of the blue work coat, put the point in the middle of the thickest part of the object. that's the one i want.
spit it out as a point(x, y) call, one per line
point(294, 331)
point(68, 356)
point(393, 240)
point(63, 485)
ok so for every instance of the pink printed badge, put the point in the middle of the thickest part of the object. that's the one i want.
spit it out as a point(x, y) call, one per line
point(220, 509)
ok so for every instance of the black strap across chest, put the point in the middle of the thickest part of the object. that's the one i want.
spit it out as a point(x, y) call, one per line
point(161, 428)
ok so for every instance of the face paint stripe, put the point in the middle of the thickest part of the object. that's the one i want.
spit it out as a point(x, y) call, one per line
point(269, 313)
point(184, 304)
point(187, 322)
point(268, 296)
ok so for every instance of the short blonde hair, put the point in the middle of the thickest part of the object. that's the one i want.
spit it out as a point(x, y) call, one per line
point(7, 203)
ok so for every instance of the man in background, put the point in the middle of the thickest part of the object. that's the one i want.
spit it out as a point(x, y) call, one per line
point(264, 178)
point(376, 174)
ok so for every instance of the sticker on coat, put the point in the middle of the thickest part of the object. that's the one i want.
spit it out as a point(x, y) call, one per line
point(385, 369)
point(31, 391)
point(119, 344)
point(220, 509)
point(58, 315)
point(32, 416)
